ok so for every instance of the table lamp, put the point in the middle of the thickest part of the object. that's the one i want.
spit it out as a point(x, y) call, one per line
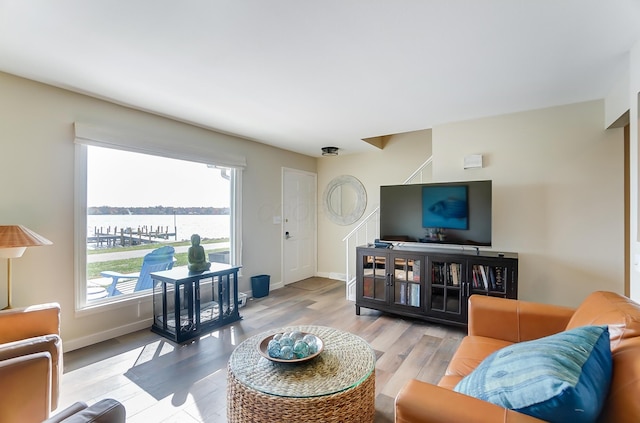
point(14, 240)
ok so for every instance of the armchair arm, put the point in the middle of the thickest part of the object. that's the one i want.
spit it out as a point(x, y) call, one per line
point(421, 402)
point(29, 322)
point(74, 408)
point(49, 344)
point(26, 393)
point(515, 320)
point(104, 411)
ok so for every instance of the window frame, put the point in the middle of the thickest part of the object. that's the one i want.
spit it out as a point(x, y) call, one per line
point(87, 135)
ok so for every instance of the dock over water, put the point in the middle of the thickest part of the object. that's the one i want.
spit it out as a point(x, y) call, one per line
point(105, 237)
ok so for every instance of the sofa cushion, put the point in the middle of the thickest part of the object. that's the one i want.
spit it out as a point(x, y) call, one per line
point(558, 378)
point(622, 316)
point(619, 313)
point(470, 353)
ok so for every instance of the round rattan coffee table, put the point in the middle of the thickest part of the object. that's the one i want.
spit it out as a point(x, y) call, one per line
point(336, 386)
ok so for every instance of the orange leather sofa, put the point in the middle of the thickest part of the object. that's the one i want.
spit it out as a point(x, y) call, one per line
point(495, 323)
point(30, 362)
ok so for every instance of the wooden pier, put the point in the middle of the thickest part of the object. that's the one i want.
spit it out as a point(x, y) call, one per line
point(129, 236)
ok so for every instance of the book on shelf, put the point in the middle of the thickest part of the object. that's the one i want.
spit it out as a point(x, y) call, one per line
point(439, 274)
point(499, 279)
point(483, 273)
point(492, 279)
point(474, 276)
point(416, 271)
point(455, 274)
point(414, 297)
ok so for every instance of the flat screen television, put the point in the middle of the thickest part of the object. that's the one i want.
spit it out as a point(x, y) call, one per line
point(455, 213)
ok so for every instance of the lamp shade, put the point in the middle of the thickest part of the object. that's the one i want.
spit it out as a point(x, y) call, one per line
point(14, 239)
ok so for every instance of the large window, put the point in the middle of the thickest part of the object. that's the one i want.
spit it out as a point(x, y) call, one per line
point(135, 204)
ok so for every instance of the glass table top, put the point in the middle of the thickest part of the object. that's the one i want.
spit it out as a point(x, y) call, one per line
point(346, 361)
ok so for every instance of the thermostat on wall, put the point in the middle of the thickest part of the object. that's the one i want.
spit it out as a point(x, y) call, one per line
point(472, 161)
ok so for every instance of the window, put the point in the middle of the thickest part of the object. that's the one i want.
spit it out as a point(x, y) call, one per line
point(131, 203)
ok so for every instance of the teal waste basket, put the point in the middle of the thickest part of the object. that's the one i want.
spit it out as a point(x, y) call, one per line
point(260, 285)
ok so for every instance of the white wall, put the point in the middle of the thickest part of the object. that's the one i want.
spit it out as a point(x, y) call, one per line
point(634, 152)
point(558, 193)
point(37, 171)
point(617, 102)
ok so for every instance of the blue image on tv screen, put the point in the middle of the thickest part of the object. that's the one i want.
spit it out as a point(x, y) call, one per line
point(445, 207)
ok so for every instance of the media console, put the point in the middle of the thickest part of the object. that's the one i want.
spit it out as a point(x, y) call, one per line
point(431, 283)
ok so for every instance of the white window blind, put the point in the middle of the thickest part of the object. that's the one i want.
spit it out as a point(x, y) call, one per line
point(129, 140)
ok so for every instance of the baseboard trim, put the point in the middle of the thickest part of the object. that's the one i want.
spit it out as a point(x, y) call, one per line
point(95, 338)
point(332, 275)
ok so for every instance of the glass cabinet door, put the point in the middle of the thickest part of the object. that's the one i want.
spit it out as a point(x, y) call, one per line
point(407, 281)
point(447, 283)
point(431, 283)
point(374, 277)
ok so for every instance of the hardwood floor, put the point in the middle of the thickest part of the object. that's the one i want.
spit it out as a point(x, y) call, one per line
point(159, 381)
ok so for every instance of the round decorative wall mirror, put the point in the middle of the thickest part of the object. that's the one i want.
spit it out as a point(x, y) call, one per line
point(344, 200)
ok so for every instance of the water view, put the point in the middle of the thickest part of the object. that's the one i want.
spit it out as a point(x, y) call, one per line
point(207, 226)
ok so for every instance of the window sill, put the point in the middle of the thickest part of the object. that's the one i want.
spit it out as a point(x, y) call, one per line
point(114, 303)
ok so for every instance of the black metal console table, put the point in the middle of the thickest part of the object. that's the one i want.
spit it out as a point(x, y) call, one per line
point(187, 304)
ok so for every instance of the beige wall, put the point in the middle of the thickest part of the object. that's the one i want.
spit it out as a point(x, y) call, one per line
point(557, 193)
point(557, 176)
point(37, 172)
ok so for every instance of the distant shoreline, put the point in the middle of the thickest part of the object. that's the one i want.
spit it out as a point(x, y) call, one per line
point(156, 211)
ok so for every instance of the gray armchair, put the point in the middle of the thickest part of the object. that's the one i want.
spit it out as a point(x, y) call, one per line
point(104, 411)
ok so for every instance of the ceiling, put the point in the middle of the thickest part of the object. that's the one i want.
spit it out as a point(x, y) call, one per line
point(302, 75)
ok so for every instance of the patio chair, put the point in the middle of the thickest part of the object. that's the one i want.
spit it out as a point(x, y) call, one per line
point(155, 261)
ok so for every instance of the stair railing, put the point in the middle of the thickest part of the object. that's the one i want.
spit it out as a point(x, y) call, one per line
point(369, 229)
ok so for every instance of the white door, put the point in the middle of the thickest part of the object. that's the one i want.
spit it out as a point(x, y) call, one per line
point(298, 225)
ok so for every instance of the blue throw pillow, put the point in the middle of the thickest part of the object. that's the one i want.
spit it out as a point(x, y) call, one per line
point(559, 378)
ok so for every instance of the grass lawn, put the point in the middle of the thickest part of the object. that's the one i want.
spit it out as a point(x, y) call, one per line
point(130, 265)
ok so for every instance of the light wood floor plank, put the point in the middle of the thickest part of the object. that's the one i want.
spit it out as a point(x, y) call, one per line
point(159, 381)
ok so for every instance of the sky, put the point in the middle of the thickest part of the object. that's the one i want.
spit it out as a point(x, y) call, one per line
point(120, 178)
